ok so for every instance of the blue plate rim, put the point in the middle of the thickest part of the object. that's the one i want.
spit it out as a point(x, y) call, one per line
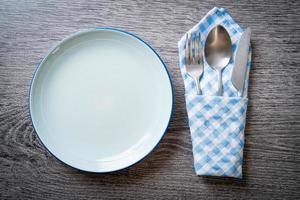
point(38, 65)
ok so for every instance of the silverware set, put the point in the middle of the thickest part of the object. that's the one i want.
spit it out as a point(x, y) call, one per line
point(217, 52)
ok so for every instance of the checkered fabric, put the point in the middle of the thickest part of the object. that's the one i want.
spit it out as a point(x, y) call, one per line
point(216, 123)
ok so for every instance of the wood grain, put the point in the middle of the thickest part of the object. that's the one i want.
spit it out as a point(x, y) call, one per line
point(272, 152)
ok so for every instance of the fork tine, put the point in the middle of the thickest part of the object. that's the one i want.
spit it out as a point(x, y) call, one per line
point(196, 55)
point(199, 49)
point(195, 51)
point(191, 49)
point(187, 49)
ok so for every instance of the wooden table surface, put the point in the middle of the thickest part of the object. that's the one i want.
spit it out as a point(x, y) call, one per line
point(28, 29)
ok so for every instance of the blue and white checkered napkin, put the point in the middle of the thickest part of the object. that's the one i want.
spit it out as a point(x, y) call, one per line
point(216, 123)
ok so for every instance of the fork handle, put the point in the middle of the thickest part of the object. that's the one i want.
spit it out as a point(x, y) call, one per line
point(198, 88)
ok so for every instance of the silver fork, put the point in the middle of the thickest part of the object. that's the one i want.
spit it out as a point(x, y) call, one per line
point(194, 61)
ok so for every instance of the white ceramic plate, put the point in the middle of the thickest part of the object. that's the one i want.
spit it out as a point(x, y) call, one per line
point(101, 100)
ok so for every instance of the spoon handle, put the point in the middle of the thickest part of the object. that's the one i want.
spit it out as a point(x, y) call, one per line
point(220, 88)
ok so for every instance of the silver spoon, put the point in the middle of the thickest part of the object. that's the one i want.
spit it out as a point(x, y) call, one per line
point(218, 52)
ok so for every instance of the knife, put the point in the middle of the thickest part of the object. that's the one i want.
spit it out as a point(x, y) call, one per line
point(240, 66)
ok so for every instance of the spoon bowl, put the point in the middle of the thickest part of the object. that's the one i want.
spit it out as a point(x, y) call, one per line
point(218, 51)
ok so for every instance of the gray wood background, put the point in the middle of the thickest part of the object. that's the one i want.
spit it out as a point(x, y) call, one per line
point(272, 152)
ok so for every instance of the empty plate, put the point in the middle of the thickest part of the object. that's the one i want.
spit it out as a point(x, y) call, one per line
point(101, 100)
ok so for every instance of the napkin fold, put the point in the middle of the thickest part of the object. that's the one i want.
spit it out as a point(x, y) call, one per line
point(216, 123)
